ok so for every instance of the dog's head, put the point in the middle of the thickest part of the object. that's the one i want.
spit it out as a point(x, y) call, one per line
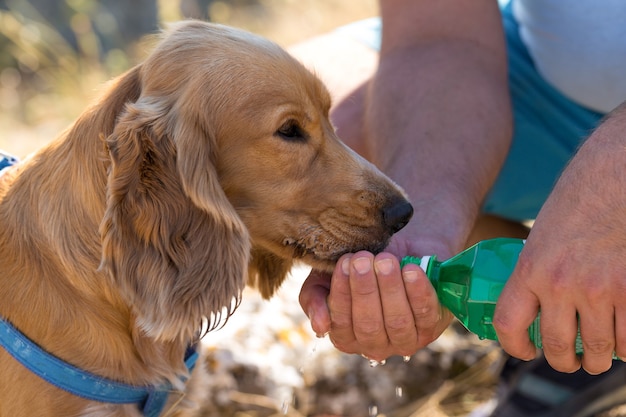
point(227, 166)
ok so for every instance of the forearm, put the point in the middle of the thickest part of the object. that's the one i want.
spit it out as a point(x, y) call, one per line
point(597, 173)
point(439, 122)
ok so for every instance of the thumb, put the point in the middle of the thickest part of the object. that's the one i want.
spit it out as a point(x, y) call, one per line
point(516, 309)
point(313, 295)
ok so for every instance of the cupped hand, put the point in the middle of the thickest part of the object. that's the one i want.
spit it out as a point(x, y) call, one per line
point(369, 307)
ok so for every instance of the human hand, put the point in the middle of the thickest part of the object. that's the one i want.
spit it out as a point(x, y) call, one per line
point(372, 308)
point(446, 167)
point(572, 266)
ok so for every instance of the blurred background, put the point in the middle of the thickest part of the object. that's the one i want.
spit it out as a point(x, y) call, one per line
point(56, 55)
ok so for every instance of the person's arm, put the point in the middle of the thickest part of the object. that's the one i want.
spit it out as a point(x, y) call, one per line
point(435, 117)
point(438, 116)
point(574, 261)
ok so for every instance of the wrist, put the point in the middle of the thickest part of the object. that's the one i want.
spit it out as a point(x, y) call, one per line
point(421, 245)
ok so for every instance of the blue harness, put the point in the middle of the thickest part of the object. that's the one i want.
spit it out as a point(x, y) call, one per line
point(6, 160)
point(150, 400)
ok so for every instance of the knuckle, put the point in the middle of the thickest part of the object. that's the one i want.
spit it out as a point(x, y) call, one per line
point(365, 289)
point(557, 277)
point(556, 347)
point(598, 347)
point(368, 329)
point(557, 281)
point(594, 291)
point(426, 316)
point(428, 334)
point(399, 323)
point(525, 263)
point(503, 326)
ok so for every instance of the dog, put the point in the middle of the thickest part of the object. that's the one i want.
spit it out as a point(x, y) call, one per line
point(210, 165)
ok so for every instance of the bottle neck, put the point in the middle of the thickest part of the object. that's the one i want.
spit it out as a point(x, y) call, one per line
point(425, 263)
point(430, 266)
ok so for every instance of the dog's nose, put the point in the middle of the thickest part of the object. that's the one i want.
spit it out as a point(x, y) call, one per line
point(396, 216)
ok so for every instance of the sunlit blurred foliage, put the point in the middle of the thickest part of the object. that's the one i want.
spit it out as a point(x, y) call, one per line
point(65, 48)
point(55, 55)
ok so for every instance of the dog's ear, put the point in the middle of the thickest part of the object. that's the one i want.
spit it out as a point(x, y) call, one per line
point(171, 241)
point(267, 271)
point(196, 167)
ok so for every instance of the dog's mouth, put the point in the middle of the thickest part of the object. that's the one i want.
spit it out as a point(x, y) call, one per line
point(324, 256)
point(322, 242)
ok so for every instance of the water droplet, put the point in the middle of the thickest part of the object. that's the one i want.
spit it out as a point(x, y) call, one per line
point(399, 392)
point(373, 411)
point(406, 358)
point(375, 363)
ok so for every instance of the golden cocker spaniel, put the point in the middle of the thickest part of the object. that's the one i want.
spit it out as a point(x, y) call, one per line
point(211, 164)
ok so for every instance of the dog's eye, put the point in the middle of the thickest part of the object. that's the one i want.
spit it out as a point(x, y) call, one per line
point(291, 131)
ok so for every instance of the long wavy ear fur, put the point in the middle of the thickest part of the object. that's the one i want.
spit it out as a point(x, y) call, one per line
point(172, 242)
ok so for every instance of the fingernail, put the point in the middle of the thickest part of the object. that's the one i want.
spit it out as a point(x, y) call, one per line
point(345, 266)
point(362, 265)
point(311, 316)
point(384, 266)
point(409, 276)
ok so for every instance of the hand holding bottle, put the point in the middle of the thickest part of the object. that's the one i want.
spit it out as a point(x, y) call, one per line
point(573, 266)
point(469, 285)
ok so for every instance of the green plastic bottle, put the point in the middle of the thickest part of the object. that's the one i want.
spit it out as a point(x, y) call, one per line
point(470, 283)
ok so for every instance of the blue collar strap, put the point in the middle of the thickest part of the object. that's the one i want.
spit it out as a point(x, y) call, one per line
point(6, 160)
point(150, 400)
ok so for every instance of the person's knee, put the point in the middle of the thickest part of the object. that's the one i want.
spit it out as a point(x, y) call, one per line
point(343, 64)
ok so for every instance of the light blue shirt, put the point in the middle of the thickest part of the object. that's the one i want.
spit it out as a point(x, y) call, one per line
point(578, 46)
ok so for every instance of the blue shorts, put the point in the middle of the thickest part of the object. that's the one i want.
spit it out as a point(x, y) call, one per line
point(548, 127)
